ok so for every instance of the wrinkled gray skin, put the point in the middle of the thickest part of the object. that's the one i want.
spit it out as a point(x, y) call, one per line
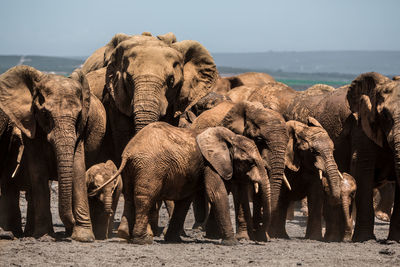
point(362, 121)
point(383, 201)
point(165, 162)
point(104, 203)
point(59, 117)
point(148, 79)
point(309, 151)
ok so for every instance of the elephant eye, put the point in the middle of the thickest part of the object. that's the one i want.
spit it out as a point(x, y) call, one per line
point(170, 81)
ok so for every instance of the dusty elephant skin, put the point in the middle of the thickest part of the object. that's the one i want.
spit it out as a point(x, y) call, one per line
point(362, 121)
point(61, 123)
point(173, 169)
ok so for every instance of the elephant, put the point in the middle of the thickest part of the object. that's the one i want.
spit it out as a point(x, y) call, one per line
point(266, 127)
point(339, 219)
point(309, 155)
point(225, 84)
point(164, 162)
point(59, 117)
point(104, 203)
point(148, 79)
point(361, 119)
point(12, 179)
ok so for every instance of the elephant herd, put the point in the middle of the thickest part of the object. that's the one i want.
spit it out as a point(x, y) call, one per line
point(180, 133)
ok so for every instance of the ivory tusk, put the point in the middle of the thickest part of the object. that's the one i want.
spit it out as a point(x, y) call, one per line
point(341, 176)
point(320, 174)
point(256, 186)
point(287, 182)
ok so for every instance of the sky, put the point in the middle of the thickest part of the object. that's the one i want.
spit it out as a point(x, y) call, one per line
point(79, 27)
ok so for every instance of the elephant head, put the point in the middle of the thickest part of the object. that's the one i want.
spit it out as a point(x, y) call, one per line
point(310, 147)
point(102, 204)
point(234, 156)
point(153, 78)
point(339, 221)
point(375, 101)
point(52, 108)
point(268, 129)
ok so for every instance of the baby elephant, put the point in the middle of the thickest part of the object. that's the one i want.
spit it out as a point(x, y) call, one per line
point(103, 203)
point(338, 218)
point(164, 162)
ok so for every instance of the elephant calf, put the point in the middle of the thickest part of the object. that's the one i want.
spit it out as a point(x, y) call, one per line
point(163, 162)
point(103, 203)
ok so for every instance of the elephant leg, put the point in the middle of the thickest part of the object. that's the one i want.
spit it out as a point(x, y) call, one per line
point(259, 232)
point(218, 196)
point(362, 169)
point(199, 208)
point(394, 229)
point(30, 216)
point(314, 226)
point(143, 205)
point(10, 219)
point(154, 217)
point(82, 230)
point(128, 215)
point(177, 220)
point(278, 224)
point(244, 224)
point(290, 211)
point(384, 196)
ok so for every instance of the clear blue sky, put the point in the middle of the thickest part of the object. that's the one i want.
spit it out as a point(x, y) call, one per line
point(78, 27)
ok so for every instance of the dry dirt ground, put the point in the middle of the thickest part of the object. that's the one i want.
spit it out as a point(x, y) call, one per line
point(198, 251)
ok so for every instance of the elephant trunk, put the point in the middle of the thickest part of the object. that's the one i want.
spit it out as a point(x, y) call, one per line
point(396, 141)
point(63, 139)
point(146, 103)
point(108, 202)
point(333, 178)
point(265, 190)
point(277, 165)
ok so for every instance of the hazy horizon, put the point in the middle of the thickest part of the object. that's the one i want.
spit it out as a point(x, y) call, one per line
point(78, 28)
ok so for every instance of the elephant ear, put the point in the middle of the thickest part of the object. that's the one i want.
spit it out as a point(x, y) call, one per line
point(199, 71)
point(215, 144)
point(312, 122)
point(292, 160)
point(168, 38)
point(362, 98)
point(237, 119)
point(78, 75)
point(109, 48)
point(16, 96)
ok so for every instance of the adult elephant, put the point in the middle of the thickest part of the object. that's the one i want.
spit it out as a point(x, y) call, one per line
point(266, 127)
point(148, 79)
point(62, 127)
point(225, 84)
point(361, 120)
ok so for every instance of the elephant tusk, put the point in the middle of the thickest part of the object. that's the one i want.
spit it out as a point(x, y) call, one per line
point(320, 174)
point(287, 182)
point(341, 176)
point(19, 158)
point(256, 187)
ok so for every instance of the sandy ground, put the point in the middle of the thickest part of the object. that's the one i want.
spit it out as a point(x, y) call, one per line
point(198, 251)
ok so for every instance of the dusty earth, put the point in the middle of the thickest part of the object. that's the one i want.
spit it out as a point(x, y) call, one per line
point(196, 250)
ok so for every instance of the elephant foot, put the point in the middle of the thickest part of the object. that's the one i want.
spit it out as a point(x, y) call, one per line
point(278, 234)
point(6, 234)
point(360, 237)
point(198, 226)
point(229, 242)
point(170, 238)
point(314, 236)
point(261, 236)
point(394, 237)
point(43, 232)
point(242, 235)
point(123, 231)
point(332, 238)
point(383, 216)
point(145, 240)
point(82, 234)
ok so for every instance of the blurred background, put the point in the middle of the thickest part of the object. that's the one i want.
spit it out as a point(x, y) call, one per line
point(300, 43)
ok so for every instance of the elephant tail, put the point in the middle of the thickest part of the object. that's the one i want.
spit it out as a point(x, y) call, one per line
point(115, 176)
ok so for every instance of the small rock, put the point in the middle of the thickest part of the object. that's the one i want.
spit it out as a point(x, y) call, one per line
point(387, 251)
